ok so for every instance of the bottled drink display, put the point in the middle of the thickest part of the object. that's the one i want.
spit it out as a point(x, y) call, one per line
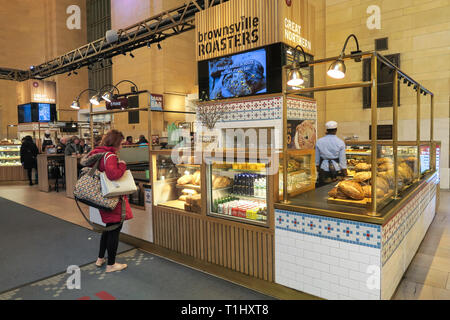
point(249, 209)
point(246, 195)
point(249, 184)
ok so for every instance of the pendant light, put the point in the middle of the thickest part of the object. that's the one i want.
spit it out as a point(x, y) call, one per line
point(337, 69)
point(295, 76)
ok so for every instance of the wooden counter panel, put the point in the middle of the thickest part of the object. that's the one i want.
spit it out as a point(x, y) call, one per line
point(237, 246)
point(10, 173)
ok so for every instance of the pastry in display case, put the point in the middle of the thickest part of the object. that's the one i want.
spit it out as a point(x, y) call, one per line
point(10, 155)
point(301, 172)
point(238, 191)
point(178, 185)
point(357, 188)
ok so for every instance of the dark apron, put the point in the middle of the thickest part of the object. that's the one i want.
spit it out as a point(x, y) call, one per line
point(327, 177)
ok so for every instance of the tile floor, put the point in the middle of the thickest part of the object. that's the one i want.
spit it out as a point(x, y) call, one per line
point(428, 276)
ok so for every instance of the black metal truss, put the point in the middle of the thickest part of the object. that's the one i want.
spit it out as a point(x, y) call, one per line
point(152, 30)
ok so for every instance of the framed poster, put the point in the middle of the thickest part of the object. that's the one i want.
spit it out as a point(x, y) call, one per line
point(302, 134)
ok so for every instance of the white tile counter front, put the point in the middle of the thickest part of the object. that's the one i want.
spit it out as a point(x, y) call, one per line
point(341, 259)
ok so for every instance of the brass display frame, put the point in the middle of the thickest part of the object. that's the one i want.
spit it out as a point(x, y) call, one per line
point(373, 84)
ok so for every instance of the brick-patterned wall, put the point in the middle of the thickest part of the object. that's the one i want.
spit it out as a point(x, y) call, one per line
point(327, 257)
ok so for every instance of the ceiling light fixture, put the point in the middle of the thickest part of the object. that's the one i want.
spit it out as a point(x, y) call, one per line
point(337, 69)
point(159, 46)
point(131, 55)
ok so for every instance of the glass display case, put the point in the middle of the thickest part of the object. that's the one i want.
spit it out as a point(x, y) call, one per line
point(177, 185)
point(10, 155)
point(238, 190)
point(301, 172)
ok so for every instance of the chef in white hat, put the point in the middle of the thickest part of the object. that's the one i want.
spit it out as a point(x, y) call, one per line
point(331, 160)
point(47, 143)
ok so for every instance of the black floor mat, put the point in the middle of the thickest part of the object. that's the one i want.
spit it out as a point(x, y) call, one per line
point(34, 245)
point(148, 277)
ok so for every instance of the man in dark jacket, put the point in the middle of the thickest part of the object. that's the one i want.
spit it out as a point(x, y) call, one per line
point(61, 147)
point(73, 147)
point(28, 156)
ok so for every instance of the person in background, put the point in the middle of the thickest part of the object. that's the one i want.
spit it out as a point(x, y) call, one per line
point(331, 160)
point(73, 147)
point(142, 140)
point(97, 141)
point(47, 143)
point(61, 147)
point(28, 156)
point(114, 170)
point(129, 141)
point(84, 148)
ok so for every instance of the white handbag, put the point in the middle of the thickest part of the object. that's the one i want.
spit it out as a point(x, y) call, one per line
point(124, 186)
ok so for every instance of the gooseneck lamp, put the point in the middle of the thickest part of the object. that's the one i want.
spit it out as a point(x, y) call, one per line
point(76, 103)
point(337, 69)
point(295, 76)
point(133, 89)
point(108, 95)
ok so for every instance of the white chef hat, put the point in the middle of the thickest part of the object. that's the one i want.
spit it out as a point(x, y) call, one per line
point(47, 131)
point(331, 125)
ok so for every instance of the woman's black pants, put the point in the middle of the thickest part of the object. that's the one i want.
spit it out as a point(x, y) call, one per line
point(110, 242)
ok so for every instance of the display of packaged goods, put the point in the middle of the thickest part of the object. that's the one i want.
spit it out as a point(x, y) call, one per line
point(235, 207)
point(10, 156)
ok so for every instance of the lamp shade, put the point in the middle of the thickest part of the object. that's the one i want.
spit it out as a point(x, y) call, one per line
point(108, 96)
point(95, 100)
point(295, 78)
point(337, 69)
point(75, 105)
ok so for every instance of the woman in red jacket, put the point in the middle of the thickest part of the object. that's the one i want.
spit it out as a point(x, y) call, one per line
point(114, 169)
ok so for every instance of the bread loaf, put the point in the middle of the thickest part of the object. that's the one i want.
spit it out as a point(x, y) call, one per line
point(351, 189)
point(368, 192)
point(183, 198)
point(382, 184)
point(386, 166)
point(335, 193)
point(362, 176)
point(363, 167)
point(196, 178)
point(389, 176)
point(221, 182)
point(384, 160)
point(187, 179)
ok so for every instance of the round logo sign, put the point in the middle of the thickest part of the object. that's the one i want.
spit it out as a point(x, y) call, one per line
point(289, 2)
point(35, 84)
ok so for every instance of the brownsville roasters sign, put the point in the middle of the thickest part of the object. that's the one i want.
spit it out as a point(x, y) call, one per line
point(240, 25)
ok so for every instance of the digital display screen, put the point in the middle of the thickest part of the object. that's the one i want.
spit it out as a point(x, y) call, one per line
point(238, 75)
point(24, 113)
point(44, 112)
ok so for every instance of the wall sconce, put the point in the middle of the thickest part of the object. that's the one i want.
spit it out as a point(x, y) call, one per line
point(295, 76)
point(337, 69)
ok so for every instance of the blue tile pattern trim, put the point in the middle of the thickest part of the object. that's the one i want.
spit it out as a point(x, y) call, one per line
point(399, 226)
point(359, 233)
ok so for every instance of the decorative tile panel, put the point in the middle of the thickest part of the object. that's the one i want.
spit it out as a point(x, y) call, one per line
point(267, 109)
point(252, 109)
point(301, 109)
point(396, 229)
point(346, 231)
